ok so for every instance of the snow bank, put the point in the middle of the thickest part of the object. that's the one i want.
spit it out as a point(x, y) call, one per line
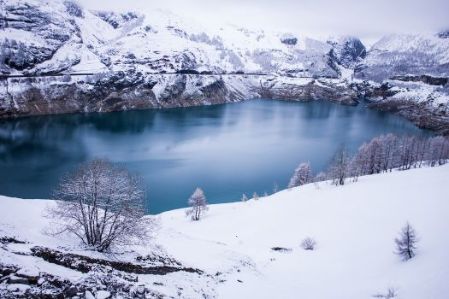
point(354, 226)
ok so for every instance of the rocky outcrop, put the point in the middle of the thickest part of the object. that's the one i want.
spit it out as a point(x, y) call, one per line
point(134, 90)
point(422, 78)
point(312, 90)
point(427, 107)
point(347, 51)
point(33, 36)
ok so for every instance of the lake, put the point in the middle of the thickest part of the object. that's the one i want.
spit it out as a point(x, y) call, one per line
point(225, 149)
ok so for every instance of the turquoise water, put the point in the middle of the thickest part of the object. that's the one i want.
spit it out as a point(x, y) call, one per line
point(225, 149)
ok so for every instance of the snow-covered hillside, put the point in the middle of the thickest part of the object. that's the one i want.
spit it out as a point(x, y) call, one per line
point(228, 253)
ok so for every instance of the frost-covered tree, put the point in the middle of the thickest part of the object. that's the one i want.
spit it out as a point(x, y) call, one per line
point(406, 243)
point(438, 151)
point(339, 168)
point(275, 187)
point(101, 204)
point(255, 196)
point(198, 204)
point(301, 176)
point(244, 197)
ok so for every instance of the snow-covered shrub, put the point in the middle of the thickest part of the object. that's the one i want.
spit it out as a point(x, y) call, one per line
point(308, 244)
point(198, 204)
point(391, 293)
point(406, 243)
point(100, 204)
point(244, 197)
point(301, 176)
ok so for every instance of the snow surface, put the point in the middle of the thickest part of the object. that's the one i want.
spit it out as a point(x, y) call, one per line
point(354, 226)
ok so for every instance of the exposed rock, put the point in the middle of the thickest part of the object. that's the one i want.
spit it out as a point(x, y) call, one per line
point(86, 264)
point(289, 39)
point(347, 51)
point(443, 34)
point(423, 78)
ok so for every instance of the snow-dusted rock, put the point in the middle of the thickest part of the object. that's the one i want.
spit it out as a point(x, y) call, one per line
point(58, 57)
point(402, 54)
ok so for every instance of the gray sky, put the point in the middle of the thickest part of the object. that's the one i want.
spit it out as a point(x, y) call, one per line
point(366, 19)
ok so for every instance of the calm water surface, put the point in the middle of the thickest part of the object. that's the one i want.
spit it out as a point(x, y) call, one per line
point(226, 149)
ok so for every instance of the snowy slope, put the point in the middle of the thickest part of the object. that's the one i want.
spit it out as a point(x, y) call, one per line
point(354, 226)
point(406, 54)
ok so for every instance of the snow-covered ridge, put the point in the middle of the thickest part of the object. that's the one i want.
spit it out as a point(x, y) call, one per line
point(103, 61)
point(354, 226)
point(157, 41)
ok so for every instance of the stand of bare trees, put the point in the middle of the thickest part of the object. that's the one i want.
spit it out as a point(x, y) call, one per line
point(383, 154)
point(101, 204)
point(387, 152)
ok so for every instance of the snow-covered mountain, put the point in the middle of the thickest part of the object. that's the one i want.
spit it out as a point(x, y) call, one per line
point(79, 40)
point(58, 57)
point(395, 55)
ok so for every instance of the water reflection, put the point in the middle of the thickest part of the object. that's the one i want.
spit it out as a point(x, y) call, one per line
point(226, 149)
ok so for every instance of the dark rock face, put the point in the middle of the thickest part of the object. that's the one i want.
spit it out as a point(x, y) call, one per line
point(116, 20)
point(54, 30)
point(443, 34)
point(74, 9)
point(348, 51)
point(315, 90)
point(423, 78)
point(133, 90)
point(289, 40)
point(423, 114)
point(86, 264)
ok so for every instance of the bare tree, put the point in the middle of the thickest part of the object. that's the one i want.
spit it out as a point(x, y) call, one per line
point(339, 168)
point(255, 196)
point(301, 176)
point(198, 204)
point(101, 204)
point(275, 187)
point(438, 152)
point(406, 243)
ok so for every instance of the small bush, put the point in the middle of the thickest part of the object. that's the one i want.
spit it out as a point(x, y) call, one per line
point(391, 293)
point(308, 244)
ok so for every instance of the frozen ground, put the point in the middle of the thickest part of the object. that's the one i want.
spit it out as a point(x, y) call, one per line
point(354, 226)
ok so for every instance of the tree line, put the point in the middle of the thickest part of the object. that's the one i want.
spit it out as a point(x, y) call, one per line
point(382, 154)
